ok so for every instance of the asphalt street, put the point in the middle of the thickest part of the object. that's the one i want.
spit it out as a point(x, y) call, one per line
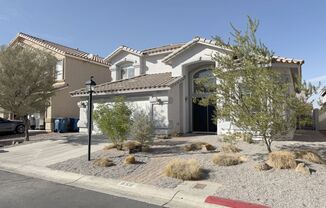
point(18, 191)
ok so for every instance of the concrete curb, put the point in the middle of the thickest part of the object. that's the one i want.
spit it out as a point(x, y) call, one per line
point(141, 192)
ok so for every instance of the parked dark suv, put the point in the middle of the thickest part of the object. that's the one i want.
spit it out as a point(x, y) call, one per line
point(12, 126)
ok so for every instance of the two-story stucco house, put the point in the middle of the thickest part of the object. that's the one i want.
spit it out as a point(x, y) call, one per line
point(161, 81)
point(74, 67)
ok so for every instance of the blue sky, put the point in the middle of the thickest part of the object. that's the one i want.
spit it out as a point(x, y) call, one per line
point(290, 28)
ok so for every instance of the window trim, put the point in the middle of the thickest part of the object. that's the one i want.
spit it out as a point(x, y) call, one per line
point(126, 66)
point(63, 69)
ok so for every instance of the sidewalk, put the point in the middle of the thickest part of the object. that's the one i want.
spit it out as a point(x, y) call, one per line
point(50, 151)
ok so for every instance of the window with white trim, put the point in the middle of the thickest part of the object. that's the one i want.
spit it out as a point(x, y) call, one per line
point(127, 71)
point(59, 71)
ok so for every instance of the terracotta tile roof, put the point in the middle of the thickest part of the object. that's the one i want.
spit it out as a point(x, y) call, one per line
point(281, 59)
point(123, 48)
point(190, 44)
point(278, 59)
point(145, 82)
point(149, 51)
point(162, 49)
point(64, 50)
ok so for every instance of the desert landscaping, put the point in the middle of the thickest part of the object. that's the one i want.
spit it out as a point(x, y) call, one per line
point(244, 177)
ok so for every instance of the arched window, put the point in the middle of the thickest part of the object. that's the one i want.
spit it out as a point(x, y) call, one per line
point(203, 81)
point(127, 71)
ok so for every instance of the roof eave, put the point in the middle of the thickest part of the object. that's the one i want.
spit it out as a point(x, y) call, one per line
point(120, 92)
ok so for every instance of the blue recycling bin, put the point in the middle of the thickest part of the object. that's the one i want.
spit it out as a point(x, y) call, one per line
point(73, 125)
point(61, 125)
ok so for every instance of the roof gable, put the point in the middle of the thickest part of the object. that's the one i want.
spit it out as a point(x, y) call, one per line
point(61, 49)
point(190, 44)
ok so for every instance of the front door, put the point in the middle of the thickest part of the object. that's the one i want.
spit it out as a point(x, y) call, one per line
point(202, 116)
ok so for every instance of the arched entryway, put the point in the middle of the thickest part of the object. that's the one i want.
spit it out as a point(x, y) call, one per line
point(202, 116)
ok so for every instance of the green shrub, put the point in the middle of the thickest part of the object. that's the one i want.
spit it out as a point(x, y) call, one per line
point(230, 138)
point(142, 129)
point(247, 137)
point(114, 121)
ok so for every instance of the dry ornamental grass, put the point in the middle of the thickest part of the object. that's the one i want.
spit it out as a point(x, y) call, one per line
point(184, 169)
point(198, 146)
point(103, 162)
point(130, 159)
point(309, 155)
point(110, 146)
point(227, 159)
point(230, 148)
point(282, 160)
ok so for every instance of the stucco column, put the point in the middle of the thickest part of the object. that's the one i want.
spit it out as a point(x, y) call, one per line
point(114, 73)
point(137, 68)
point(83, 117)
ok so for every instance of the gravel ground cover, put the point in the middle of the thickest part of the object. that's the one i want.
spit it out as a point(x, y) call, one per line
point(276, 188)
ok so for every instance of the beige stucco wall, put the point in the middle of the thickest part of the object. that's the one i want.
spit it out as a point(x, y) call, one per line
point(153, 64)
point(175, 109)
point(136, 102)
point(76, 73)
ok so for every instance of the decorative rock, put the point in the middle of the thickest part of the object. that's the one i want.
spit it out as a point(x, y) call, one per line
point(302, 168)
point(262, 167)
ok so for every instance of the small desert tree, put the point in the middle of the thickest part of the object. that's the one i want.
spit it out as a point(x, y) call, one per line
point(142, 129)
point(114, 120)
point(248, 92)
point(27, 76)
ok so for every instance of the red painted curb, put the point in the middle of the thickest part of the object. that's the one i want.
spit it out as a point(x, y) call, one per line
point(232, 203)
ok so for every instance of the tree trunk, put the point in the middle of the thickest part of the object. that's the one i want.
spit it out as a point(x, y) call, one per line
point(26, 123)
point(268, 144)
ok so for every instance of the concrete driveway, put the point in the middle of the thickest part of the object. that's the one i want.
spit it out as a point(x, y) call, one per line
point(51, 151)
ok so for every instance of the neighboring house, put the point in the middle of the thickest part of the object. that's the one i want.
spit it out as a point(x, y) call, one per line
point(74, 67)
point(161, 81)
point(321, 114)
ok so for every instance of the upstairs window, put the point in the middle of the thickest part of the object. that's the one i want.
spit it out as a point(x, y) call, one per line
point(203, 81)
point(127, 71)
point(59, 71)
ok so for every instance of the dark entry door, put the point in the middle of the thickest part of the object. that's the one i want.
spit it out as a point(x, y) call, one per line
point(202, 118)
